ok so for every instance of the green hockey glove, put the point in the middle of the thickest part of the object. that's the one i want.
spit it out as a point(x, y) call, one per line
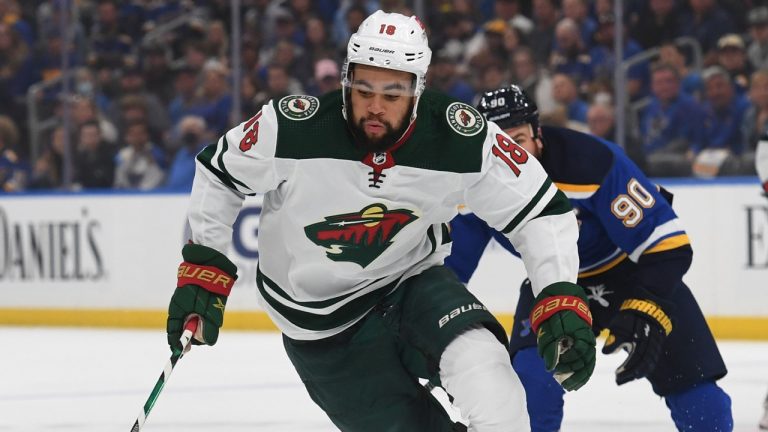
point(563, 325)
point(205, 279)
point(640, 328)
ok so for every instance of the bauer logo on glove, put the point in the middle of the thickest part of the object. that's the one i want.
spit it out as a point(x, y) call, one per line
point(563, 325)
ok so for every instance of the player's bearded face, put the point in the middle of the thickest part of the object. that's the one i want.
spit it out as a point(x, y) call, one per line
point(381, 102)
point(523, 136)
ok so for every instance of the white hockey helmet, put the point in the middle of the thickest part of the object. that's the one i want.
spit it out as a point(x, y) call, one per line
point(390, 41)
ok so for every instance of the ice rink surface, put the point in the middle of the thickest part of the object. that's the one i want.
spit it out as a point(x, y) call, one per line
point(61, 380)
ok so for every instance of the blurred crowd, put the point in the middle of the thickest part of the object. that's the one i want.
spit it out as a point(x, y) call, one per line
point(150, 82)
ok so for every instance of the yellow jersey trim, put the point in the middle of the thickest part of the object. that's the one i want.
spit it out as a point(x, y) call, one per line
point(605, 267)
point(569, 187)
point(669, 243)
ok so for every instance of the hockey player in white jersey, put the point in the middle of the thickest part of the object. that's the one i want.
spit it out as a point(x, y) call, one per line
point(359, 186)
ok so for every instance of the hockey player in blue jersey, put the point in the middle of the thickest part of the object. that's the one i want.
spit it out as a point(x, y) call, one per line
point(633, 254)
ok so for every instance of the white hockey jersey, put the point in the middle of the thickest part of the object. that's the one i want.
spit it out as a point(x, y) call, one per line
point(341, 228)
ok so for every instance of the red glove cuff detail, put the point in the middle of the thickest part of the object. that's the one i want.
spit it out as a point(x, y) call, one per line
point(552, 305)
point(210, 278)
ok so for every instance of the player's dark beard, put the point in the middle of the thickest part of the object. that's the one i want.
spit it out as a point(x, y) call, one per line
point(386, 141)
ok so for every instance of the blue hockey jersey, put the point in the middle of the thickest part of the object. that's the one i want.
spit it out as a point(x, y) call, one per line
point(622, 215)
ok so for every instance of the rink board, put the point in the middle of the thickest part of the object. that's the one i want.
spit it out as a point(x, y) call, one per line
point(110, 259)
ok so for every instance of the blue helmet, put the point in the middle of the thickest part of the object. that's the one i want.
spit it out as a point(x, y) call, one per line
point(509, 107)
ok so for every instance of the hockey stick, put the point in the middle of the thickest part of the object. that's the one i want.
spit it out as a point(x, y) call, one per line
point(186, 337)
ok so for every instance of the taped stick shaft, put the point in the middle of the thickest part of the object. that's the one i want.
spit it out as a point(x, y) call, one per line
point(186, 337)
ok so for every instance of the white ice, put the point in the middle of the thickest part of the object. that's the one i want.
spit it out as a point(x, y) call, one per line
point(61, 380)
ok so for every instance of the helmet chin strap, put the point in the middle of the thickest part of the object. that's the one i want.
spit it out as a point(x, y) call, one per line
point(535, 131)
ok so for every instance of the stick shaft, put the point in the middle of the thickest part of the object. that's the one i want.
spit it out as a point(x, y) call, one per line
point(186, 338)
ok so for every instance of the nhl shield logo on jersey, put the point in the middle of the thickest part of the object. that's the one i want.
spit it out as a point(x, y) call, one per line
point(298, 107)
point(464, 119)
point(359, 237)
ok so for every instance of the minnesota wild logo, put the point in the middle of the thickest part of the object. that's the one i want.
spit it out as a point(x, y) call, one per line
point(359, 237)
point(297, 107)
point(464, 119)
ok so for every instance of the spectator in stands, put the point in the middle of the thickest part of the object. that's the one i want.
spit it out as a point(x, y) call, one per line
point(509, 11)
point(278, 84)
point(327, 77)
point(249, 55)
point(706, 22)
point(455, 32)
point(565, 93)
point(84, 110)
point(602, 7)
point(755, 122)
point(185, 82)
point(49, 17)
point(49, 61)
point(17, 67)
point(757, 50)
point(86, 85)
point(318, 44)
point(570, 56)
point(395, 6)
point(215, 99)
point(192, 138)
point(732, 56)
point(604, 61)
point(656, 22)
point(292, 57)
point(107, 36)
point(13, 176)
point(288, 26)
point(495, 44)
point(139, 17)
point(132, 84)
point(443, 76)
point(724, 112)
point(690, 79)
point(670, 126)
point(11, 15)
point(255, 18)
point(195, 55)
point(133, 109)
point(216, 42)
point(95, 161)
point(138, 164)
point(578, 11)
point(542, 38)
point(491, 77)
point(249, 88)
point(158, 76)
point(302, 9)
point(601, 120)
point(348, 18)
point(533, 79)
point(106, 80)
point(47, 172)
